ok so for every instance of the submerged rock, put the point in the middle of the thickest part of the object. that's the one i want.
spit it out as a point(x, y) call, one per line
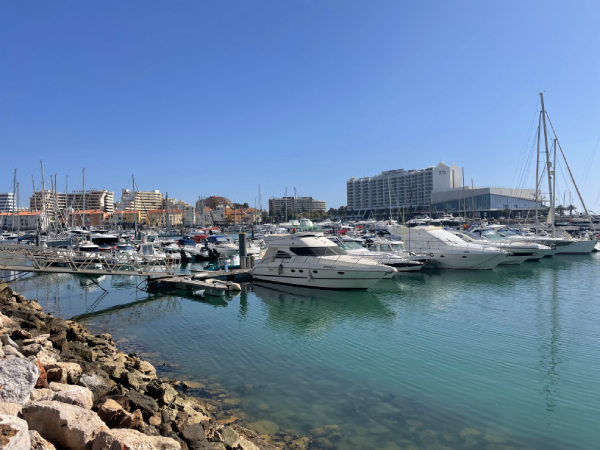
point(17, 378)
point(264, 427)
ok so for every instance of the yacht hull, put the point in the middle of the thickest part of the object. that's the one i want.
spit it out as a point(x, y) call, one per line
point(514, 260)
point(445, 260)
point(578, 248)
point(321, 283)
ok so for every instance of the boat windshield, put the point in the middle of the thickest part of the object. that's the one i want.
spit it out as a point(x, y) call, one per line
point(317, 251)
point(350, 245)
point(397, 247)
point(491, 235)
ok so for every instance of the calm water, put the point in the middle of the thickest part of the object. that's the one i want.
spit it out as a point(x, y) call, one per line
point(509, 357)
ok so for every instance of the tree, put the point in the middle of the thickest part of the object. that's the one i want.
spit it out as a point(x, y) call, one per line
point(560, 209)
point(245, 205)
point(571, 208)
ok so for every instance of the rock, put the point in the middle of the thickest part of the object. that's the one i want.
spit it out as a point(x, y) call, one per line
point(95, 383)
point(17, 379)
point(130, 380)
point(14, 433)
point(264, 427)
point(41, 394)
point(38, 442)
point(495, 438)
point(134, 421)
point(45, 357)
point(469, 432)
point(77, 395)
point(21, 334)
point(9, 351)
point(146, 367)
point(181, 421)
point(6, 340)
point(165, 429)
point(155, 420)
point(194, 437)
point(147, 405)
point(59, 343)
point(245, 444)
point(42, 381)
point(132, 440)
point(168, 395)
point(10, 409)
point(230, 437)
point(115, 370)
point(66, 425)
point(73, 370)
point(57, 375)
point(57, 387)
point(41, 339)
point(154, 389)
point(109, 409)
point(323, 442)
point(470, 443)
point(227, 420)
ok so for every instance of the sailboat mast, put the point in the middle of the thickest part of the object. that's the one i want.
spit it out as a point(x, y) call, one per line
point(13, 206)
point(554, 181)
point(35, 203)
point(55, 206)
point(537, 172)
point(43, 194)
point(83, 198)
point(472, 199)
point(134, 205)
point(18, 213)
point(548, 165)
point(390, 200)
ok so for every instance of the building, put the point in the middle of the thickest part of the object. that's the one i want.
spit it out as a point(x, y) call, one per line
point(125, 218)
point(23, 220)
point(7, 202)
point(218, 215)
point(48, 201)
point(397, 189)
point(93, 218)
point(490, 202)
point(94, 200)
point(142, 201)
point(295, 205)
point(214, 200)
point(163, 217)
point(243, 216)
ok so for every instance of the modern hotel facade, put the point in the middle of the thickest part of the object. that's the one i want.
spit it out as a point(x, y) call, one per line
point(397, 189)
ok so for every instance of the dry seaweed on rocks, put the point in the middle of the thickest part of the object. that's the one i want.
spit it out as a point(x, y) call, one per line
point(62, 387)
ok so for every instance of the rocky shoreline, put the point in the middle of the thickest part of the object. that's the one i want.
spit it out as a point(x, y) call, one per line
point(63, 388)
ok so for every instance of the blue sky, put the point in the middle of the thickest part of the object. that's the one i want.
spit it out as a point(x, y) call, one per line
point(215, 98)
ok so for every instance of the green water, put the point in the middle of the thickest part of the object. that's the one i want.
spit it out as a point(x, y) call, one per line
point(509, 357)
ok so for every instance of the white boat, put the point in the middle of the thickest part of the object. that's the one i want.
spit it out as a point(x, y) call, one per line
point(518, 252)
point(221, 245)
point(495, 234)
point(353, 248)
point(448, 251)
point(304, 259)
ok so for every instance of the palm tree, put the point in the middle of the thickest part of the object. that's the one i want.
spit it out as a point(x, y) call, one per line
point(560, 209)
point(571, 208)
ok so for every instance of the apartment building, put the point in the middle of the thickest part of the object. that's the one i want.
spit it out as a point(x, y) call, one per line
point(142, 201)
point(296, 205)
point(99, 200)
point(7, 202)
point(395, 189)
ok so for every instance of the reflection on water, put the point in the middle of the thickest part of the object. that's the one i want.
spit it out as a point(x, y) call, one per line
point(490, 360)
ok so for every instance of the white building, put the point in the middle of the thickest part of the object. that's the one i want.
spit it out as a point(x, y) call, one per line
point(7, 202)
point(397, 189)
point(143, 201)
point(24, 220)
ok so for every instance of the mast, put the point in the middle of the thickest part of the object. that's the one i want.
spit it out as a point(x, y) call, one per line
point(18, 213)
point(537, 172)
point(55, 206)
point(13, 202)
point(554, 185)
point(84, 198)
point(464, 201)
point(35, 203)
point(390, 200)
point(166, 212)
point(134, 206)
point(286, 200)
point(43, 193)
point(549, 165)
point(473, 199)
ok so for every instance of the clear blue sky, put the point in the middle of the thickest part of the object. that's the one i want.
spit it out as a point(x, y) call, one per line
point(214, 98)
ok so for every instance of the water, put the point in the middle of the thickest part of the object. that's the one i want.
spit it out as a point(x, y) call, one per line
point(508, 358)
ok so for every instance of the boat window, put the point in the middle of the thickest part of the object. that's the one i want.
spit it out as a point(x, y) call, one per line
point(384, 247)
point(317, 251)
point(341, 273)
point(350, 245)
point(282, 254)
point(315, 271)
point(301, 271)
point(293, 270)
point(397, 247)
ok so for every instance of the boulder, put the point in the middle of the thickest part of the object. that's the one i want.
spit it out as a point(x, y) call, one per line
point(41, 394)
point(38, 442)
point(168, 395)
point(45, 357)
point(57, 387)
point(145, 404)
point(10, 409)
point(73, 370)
point(134, 421)
point(14, 433)
point(119, 439)
point(109, 409)
point(245, 444)
point(57, 375)
point(194, 437)
point(17, 379)
point(31, 350)
point(130, 380)
point(41, 339)
point(231, 438)
point(10, 352)
point(77, 395)
point(94, 383)
point(181, 421)
point(6, 340)
point(66, 425)
point(147, 368)
point(42, 381)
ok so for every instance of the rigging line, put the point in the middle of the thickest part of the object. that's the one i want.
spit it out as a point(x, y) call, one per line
point(527, 164)
point(528, 136)
point(589, 164)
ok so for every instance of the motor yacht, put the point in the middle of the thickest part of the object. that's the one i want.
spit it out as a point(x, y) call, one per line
point(518, 252)
point(396, 248)
point(303, 259)
point(489, 233)
point(565, 245)
point(354, 248)
point(448, 251)
point(221, 245)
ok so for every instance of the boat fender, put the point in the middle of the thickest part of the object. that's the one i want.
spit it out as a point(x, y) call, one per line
point(280, 269)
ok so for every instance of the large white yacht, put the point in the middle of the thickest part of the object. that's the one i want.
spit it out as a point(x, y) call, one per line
point(565, 245)
point(448, 251)
point(518, 252)
point(353, 248)
point(489, 233)
point(303, 259)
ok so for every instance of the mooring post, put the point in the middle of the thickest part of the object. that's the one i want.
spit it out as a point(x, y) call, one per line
point(242, 244)
point(252, 232)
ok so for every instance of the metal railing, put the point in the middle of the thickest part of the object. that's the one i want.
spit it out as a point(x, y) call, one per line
point(29, 258)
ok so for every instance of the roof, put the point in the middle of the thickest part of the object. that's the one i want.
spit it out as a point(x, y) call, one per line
point(21, 213)
point(164, 211)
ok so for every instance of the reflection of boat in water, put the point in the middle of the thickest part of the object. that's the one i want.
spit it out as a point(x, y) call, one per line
point(310, 310)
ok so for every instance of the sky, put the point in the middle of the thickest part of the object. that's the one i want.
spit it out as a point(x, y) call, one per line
point(216, 98)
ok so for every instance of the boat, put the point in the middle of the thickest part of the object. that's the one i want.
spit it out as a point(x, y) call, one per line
point(354, 248)
point(447, 250)
point(518, 252)
point(304, 259)
point(221, 245)
point(490, 233)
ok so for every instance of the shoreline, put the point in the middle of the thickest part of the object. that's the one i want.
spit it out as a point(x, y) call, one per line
point(120, 394)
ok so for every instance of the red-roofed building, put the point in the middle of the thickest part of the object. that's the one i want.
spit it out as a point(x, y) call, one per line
point(162, 217)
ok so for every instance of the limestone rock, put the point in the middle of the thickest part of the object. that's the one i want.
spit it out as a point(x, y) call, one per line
point(38, 442)
point(77, 395)
point(14, 434)
point(245, 444)
point(231, 438)
point(134, 421)
point(168, 395)
point(11, 352)
point(6, 340)
point(69, 426)
point(72, 370)
point(94, 383)
point(194, 437)
point(109, 409)
point(46, 356)
point(10, 409)
point(42, 381)
point(146, 367)
point(57, 375)
point(57, 387)
point(41, 394)
point(17, 379)
point(145, 404)
point(119, 439)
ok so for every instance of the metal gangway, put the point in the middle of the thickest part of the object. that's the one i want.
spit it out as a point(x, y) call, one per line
point(30, 258)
